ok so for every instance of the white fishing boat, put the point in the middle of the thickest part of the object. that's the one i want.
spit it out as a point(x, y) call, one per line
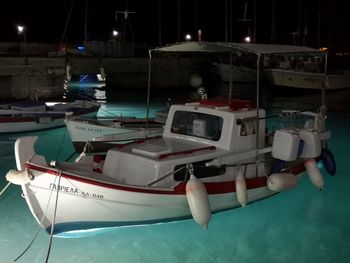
point(304, 68)
point(32, 116)
point(213, 155)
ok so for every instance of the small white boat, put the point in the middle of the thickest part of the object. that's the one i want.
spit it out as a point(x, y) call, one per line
point(100, 134)
point(33, 116)
point(212, 156)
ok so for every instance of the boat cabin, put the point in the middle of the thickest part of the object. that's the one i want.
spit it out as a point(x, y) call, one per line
point(194, 133)
point(229, 125)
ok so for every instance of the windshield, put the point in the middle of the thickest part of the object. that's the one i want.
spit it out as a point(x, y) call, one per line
point(197, 125)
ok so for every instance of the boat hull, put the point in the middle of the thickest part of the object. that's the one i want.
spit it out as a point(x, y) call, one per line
point(42, 121)
point(306, 80)
point(85, 203)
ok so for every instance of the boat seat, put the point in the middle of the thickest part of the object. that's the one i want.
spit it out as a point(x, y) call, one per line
point(151, 150)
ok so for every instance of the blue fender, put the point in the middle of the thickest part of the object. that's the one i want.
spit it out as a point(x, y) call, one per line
point(328, 161)
point(278, 165)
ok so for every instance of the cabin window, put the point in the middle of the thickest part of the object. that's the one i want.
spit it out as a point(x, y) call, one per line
point(197, 125)
point(248, 126)
point(199, 170)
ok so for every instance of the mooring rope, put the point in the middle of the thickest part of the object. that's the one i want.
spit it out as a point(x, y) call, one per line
point(3, 190)
point(61, 145)
point(54, 216)
point(39, 227)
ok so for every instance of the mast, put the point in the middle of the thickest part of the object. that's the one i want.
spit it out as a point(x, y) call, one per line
point(195, 16)
point(85, 28)
point(159, 22)
point(226, 21)
point(319, 24)
point(254, 23)
point(178, 21)
point(273, 22)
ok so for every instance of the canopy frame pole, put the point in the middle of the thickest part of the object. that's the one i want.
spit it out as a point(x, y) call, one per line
point(148, 88)
point(257, 106)
point(325, 81)
point(230, 84)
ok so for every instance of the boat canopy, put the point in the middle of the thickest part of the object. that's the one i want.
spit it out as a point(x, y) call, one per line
point(226, 47)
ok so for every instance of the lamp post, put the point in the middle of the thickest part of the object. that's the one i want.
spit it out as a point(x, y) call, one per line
point(22, 31)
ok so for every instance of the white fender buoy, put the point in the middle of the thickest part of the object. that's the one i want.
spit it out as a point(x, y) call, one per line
point(197, 198)
point(241, 189)
point(314, 173)
point(281, 181)
point(19, 177)
point(68, 72)
point(102, 73)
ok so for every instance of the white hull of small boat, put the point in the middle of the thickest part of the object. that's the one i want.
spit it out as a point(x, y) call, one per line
point(306, 80)
point(24, 120)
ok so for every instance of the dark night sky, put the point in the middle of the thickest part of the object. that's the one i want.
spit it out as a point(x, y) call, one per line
point(45, 20)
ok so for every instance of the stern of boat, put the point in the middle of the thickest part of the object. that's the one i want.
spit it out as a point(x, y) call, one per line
point(24, 152)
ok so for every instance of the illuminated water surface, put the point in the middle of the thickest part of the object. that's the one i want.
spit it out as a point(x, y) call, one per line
point(300, 225)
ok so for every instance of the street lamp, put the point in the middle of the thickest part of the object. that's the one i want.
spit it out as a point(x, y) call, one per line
point(21, 31)
point(115, 33)
point(188, 37)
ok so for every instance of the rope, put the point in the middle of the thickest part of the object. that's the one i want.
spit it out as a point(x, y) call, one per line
point(30, 244)
point(60, 149)
point(161, 178)
point(7, 154)
point(39, 227)
point(111, 113)
point(54, 217)
point(3, 190)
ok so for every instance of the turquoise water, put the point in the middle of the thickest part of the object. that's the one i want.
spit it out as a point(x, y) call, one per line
point(299, 225)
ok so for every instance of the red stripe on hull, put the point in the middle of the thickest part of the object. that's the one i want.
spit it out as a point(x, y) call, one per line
point(180, 189)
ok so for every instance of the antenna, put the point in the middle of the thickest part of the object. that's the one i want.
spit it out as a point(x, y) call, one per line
point(125, 12)
point(126, 20)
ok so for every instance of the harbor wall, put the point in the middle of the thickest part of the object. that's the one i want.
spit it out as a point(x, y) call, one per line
point(43, 77)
